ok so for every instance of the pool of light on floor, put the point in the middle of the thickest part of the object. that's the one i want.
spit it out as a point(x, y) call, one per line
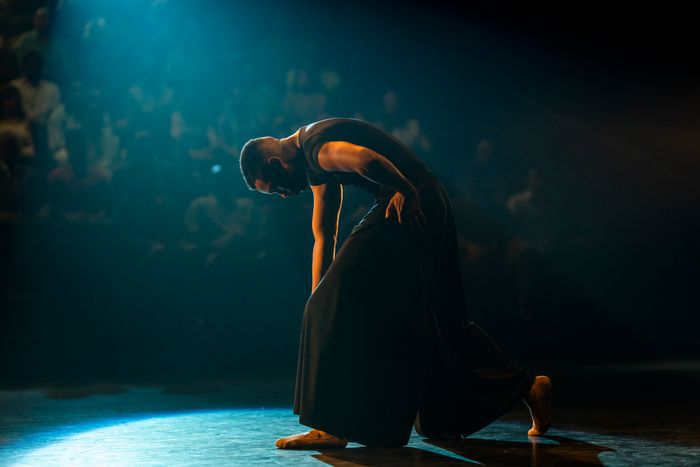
point(246, 437)
point(200, 438)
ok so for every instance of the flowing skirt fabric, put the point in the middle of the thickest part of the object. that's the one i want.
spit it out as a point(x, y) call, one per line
point(385, 339)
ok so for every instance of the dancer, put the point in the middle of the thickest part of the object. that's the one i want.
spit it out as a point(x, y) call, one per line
point(385, 341)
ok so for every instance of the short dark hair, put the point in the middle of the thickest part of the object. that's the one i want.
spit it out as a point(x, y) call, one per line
point(8, 91)
point(253, 157)
point(29, 59)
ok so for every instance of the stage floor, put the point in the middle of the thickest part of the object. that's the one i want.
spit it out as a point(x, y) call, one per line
point(624, 415)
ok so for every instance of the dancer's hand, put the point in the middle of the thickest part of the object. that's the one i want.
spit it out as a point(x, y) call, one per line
point(407, 209)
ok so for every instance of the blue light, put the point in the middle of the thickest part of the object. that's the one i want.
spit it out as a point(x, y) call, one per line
point(215, 169)
point(166, 439)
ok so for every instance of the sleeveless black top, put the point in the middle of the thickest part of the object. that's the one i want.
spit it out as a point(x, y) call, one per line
point(313, 136)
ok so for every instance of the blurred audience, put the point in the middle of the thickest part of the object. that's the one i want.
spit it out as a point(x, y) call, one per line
point(405, 129)
point(41, 102)
point(41, 39)
point(103, 127)
point(531, 212)
point(17, 173)
point(541, 230)
point(79, 188)
point(15, 137)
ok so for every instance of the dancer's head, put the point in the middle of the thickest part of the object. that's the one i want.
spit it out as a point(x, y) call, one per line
point(270, 166)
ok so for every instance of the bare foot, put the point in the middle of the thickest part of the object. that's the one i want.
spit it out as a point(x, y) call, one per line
point(313, 439)
point(539, 401)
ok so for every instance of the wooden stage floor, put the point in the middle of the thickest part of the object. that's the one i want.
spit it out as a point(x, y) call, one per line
point(625, 415)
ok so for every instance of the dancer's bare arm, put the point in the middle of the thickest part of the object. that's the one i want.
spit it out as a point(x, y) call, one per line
point(341, 156)
point(328, 199)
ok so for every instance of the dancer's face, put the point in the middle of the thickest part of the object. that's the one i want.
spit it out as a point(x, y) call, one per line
point(282, 178)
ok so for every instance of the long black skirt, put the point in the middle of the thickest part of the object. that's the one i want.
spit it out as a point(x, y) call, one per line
point(385, 339)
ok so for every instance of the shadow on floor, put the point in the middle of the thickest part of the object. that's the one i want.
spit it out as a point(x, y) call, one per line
point(567, 452)
point(378, 456)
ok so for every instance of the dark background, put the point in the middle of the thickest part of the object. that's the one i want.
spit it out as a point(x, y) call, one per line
point(109, 282)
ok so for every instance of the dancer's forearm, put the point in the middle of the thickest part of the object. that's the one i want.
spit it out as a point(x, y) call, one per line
point(381, 170)
point(323, 255)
